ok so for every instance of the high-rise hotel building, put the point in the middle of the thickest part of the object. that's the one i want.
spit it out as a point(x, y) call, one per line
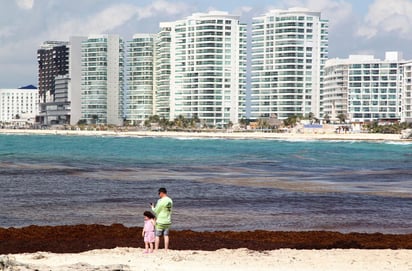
point(140, 78)
point(102, 80)
point(407, 92)
point(59, 69)
point(200, 69)
point(289, 49)
point(163, 69)
point(364, 88)
point(53, 61)
point(208, 71)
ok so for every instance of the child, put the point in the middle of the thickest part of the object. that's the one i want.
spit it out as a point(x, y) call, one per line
point(149, 231)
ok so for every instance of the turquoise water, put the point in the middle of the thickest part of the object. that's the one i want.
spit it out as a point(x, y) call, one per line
point(216, 184)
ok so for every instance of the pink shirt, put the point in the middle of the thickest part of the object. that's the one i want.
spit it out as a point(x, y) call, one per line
point(149, 233)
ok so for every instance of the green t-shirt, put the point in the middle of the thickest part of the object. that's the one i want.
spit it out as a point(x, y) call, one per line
point(163, 211)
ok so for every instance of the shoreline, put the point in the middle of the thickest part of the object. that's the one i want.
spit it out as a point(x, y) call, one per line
point(85, 237)
point(217, 135)
point(116, 247)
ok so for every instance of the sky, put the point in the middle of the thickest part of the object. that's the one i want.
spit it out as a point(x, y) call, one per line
point(355, 26)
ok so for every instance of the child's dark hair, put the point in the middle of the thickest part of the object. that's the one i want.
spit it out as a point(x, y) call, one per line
point(149, 214)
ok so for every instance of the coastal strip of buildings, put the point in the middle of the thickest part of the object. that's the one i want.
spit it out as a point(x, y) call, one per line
point(197, 67)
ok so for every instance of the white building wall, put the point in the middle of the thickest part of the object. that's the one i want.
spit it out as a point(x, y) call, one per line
point(22, 102)
point(115, 87)
point(372, 87)
point(75, 73)
point(335, 90)
point(407, 92)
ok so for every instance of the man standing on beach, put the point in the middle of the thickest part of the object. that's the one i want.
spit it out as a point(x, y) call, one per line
point(163, 211)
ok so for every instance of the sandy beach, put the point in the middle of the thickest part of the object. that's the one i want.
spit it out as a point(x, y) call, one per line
point(222, 259)
point(223, 134)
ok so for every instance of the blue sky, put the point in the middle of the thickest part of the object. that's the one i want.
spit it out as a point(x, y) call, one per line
point(356, 26)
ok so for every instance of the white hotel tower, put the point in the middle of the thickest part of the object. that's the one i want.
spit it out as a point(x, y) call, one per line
point(289, 49)
point(407, 92)
point(102, 80)
point(364, 88)
point(140, 78)
point(207, 68)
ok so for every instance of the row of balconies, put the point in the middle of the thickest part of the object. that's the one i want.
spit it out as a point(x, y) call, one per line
point(375, 116)
point(373, 109)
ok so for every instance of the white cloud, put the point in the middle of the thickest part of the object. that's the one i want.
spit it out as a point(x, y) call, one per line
point(242, 10)
point(6, 31)
point(25, 4)
point(384, 16)
point(112, 18)
point(161, 7)
point(336, 11)
point(101, 22)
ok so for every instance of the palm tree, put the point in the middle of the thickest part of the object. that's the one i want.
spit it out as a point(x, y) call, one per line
point(180, 122)
point(326, 117)
point(291, 121)
point(243, 122)
point(95, 119)
point(341, 117)
point(262, 123)
point(311, 116)
point(164, 123)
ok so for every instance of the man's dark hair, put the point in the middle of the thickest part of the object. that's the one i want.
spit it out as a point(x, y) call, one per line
point(162, 190)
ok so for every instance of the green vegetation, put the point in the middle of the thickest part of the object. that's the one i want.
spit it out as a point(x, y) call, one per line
point(393, 128)
point(181, 123)
point(292, 121)
point(342, 118)
point(178, 123)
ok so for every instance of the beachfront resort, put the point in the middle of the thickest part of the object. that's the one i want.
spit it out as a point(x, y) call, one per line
point(193, 74)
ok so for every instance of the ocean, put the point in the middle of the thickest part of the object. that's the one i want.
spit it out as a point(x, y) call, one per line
point(216, 184)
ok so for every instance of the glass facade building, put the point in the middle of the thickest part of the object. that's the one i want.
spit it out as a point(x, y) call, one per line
point(407, 92)
point(140, 78)
point(102, 80)
point(289, 49)
point(364, 88)
point(163, 70)
point(198, 69)
point(208, 68)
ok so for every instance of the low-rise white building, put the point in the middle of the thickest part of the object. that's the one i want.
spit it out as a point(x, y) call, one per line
point(364, 88)
point(18, 105)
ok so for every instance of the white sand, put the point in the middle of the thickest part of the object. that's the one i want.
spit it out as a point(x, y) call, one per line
point(223, 259)
point(223, 134)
